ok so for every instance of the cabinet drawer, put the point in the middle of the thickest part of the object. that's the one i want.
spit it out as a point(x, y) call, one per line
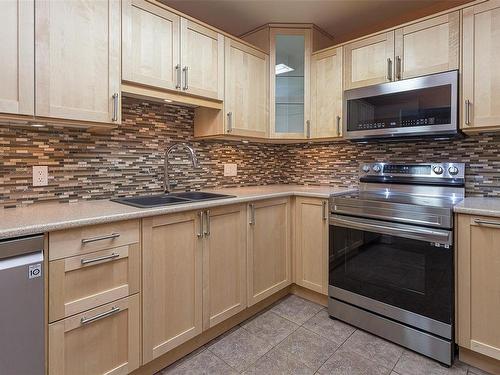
point(104, 340)
point(86, 281)
point(77, 241)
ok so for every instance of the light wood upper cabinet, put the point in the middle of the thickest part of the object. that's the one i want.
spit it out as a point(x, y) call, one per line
point(151, 42)
point(480, 73)
point(224, 264)
point(326, 94)
point(102, 341)
point(268, 250)
point(246, 96)
point(172, 282)
point(17, 57)
point(311, 244)
point(369, 61)
point(78, 60)
point(202, 60)
point(478, 289)
point(414, 43)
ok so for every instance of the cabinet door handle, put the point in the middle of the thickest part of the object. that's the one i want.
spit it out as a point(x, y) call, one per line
point(185, 70)
point(179, 78)
point(252, 214)
point(111, 236)
point(338, 125)
point(92, 319)
point(389, 69)
point(115, 107)
point(325, 213)
point(201, 231)
point(99, 259)
point(487, 222)
point(308, 129)
point(467, 112)
point(398, 67)
point(229, 122)
point(207, 216)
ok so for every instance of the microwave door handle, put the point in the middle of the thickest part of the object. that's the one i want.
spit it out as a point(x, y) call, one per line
point(405, 231)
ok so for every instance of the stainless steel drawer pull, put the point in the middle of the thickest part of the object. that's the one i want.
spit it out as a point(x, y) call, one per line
point(179, 78)
point(185, 70)
point(201, 231)
point(229, 122)
point(325, 214)
point(467, 112)
point(99, 259)
point(398, 67)
point(115, 107)
point(487, 222)
point(338, 125)
point(252, 214)
point(389, 69)
point(113, 311)
point(207, 215)
point(111, 236)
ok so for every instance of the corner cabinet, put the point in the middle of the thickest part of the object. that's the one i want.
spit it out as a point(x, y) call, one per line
point(166, 51)
point(17, 76)
point(326, 94)
point(478, 285)
point(246, 100)
point(290, 60)
point(268, 249)
point(311, 244)
point(77, 60)
point(480, 108)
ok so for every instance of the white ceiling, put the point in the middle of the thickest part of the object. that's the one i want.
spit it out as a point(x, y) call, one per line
point(341, 18)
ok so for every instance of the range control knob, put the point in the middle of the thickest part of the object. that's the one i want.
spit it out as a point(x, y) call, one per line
point(366, 168)
point(376, 168)
point(438, 170)
point(453, 171)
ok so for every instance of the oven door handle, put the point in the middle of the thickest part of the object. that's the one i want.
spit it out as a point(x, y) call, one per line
point(442, 237)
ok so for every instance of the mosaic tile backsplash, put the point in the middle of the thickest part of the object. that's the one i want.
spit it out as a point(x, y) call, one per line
point(129, 160)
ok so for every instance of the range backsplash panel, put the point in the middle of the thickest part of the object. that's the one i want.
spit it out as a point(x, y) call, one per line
point(129, 160)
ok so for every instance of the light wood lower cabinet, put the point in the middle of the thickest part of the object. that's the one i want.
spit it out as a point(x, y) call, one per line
point(268, 249)
point(478, 284)
point(224, 264)
point(172, 281)
point(311, 244)
point(105, 340)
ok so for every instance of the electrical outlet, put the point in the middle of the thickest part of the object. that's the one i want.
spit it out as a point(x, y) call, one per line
point(40, 175)
point(230, 170)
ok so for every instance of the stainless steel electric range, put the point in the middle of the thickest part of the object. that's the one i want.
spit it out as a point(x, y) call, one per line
point(391, 267)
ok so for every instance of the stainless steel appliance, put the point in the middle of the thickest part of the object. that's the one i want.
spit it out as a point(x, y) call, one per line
point(422, 106)
point(22, 325)
point(391, 254)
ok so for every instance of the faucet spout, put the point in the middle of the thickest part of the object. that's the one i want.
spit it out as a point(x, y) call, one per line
point(192, 156)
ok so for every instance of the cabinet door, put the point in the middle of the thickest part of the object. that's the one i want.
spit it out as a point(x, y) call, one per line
point(480, 73)
point(326, 94)
point(17, 56)
point(202, 60)
point(104, 340)
point(478, 295)
point(428, 47)
point(290, 75)
point(151, 37)
point(172, 282)
point(311, 244)
point(78, 60)
point(224, 264)
point(268, 251)
point(246, 93)
point(369, 61)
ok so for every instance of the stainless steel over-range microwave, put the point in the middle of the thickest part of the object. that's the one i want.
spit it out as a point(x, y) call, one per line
point(415, 107)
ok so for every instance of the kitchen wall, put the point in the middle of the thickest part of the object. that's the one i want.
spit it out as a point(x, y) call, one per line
point(129, 159)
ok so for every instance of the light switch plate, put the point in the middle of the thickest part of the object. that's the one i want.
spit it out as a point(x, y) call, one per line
point(40, 175)
point(230, 170)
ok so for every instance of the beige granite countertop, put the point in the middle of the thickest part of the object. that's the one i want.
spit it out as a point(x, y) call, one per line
point(479, 206)
point(45, 217)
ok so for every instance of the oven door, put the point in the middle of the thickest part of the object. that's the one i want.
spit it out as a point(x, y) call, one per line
point(399, 271)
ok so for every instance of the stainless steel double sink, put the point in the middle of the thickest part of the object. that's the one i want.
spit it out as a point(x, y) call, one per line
point(158, 200)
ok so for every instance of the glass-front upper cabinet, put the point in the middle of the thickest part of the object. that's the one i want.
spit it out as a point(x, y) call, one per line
point(290, 77)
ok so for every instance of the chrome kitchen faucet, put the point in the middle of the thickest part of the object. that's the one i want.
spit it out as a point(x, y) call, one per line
point(192, 154)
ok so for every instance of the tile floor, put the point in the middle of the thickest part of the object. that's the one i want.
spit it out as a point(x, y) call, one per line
point(297, 337)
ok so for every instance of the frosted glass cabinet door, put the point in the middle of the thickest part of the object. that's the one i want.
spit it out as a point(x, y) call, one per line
point(290, 70)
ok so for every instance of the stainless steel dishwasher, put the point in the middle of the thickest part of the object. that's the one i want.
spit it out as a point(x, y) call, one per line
point(22, 337)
